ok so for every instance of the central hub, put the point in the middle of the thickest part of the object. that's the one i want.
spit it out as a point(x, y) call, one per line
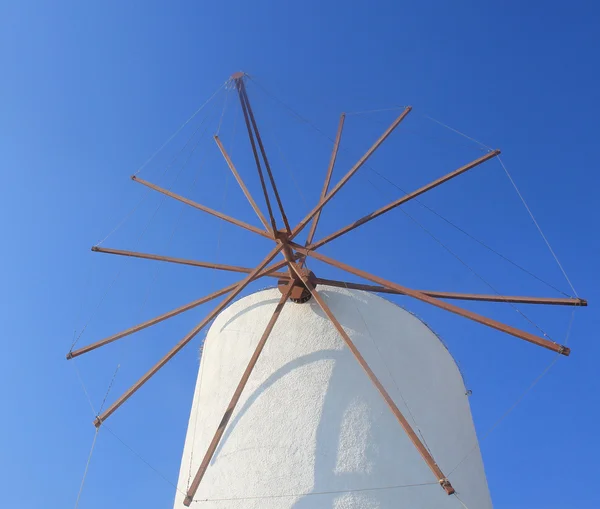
point(300, 293)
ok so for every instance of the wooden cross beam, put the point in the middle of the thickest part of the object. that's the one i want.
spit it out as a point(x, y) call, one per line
point(569, 301)
point(234, 399)
point(404, 199)
point(425, 454)
point(208, 210)
point(265, 272)
point(239, 84)
point(550, 345)
point(239, 180)
point(244, 93)
point(188, 337)
point(336, 146)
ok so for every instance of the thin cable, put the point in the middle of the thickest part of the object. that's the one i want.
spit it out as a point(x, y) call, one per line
point(466, 233)
point(520, 196)
point(87, 465)
point(180, 128)
point(167, 168)
point(521, 397)
point(398, 486)
point(304, 120)
point(109, 388)
point(223, 112)
point(390, 373)
point(375, 111)
point(217, 258)
point(83, 387)
point(461, 502)
point(537, 226)
point(479, 276)
point(458, 132)
point(139, 457)
point(145, 229)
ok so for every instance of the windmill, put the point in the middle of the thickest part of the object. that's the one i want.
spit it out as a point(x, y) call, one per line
point(298, 284)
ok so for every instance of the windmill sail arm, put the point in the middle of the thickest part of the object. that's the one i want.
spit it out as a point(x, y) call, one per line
point(183, 261)
point(270, 271)
point(234, 399)
point(423, 451)
point(208, 210)
point(494, 324)
point(404, 199)
point(569, 301)
point(350, 172)
point(336, 146)
point(187, 338)
point(241, 183)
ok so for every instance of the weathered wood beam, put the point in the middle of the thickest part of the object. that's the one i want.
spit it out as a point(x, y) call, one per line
point(569, 301)
point(264, 156)
point(183, 261)
point(350, 173)
point(425, 454)
point(234, 400)
point(188, 337)
point(208, 210)
point(334, 152)
point(241, 183)
point(550, 345)
point(165, 316)
point(404, 199)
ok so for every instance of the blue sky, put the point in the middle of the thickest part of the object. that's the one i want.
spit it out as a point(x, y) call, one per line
point(91, 91)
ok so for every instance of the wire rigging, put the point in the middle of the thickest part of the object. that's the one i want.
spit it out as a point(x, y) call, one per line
point(147, 225)
point(473, 271)
point(463, 231)
point(537, 226)
point(519, 195)
point(520, 398)
point(181, 127)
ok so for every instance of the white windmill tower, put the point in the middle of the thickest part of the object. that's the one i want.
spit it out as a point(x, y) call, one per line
point(337, 399)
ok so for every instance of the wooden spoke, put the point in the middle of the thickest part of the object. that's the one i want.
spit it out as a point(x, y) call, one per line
point(174, 312)
point(404, 199)
point(378, 385)
point(239, 84)
point(234, 293)
point(264, 156)
point(350, 173)
point(234, 400)
point(336, 146)
point(149, 323)
point(569, 301)
point(550, 345)
point(204, 209)
point(241, 184)
point(183, 261)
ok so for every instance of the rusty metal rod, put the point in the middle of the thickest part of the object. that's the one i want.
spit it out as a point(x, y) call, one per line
point(265, 272)
point(188, 337)
point(234, 400)
point(208, 210)
point(239, 84)
point(264, 156)
point(550, 345)
point(350, 173)
point(460, 296)
point(425, 454)
point(404, 199)
point(183, 261)
point(241, 183)
point(336, 146)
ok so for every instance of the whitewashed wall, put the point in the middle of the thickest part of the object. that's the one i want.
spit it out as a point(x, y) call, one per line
point(310, 430)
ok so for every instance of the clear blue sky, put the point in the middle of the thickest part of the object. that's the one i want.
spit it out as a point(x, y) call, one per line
point(90, 91)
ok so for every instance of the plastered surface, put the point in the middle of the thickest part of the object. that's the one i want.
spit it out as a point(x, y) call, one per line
point(310, 430)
